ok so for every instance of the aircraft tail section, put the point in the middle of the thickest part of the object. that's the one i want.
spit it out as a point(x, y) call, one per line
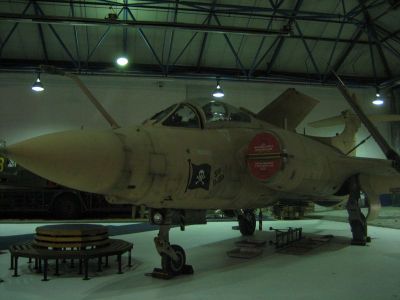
point(346, 140)
point(288, 110)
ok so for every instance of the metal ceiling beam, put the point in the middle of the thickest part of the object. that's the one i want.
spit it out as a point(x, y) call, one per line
point(41, 36)
point(307, 49)
point(356, 35)
point(358, 9)
point(282, 39)
point(388, 10)
point(374, 36)
point(223, 9)
point(205, 7)
point(125, 30)
point(10, 33)
point(76, 38)
point(390, 36)
point(100, 41)
point(58, 38)
point(238, 61)
point(147, 42)
point(371, 53)
point(172, 35)
point(275, 55)
point(206, 20)
point(184, 72)
point(391, 49)
point(328, 65)
point(205, 36)
point(394, 36)
point(184, 49)
point(79, 21)
point(255, 64)
point(67, 21)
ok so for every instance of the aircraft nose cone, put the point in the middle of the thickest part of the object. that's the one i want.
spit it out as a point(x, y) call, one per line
point(87, 160)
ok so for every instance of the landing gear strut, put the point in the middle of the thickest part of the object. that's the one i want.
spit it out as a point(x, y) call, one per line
point(173, 257)
point(357, 220)
point(247, 222)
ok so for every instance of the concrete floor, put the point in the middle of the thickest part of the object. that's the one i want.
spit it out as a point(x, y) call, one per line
point(389, 216)
point(334, 270)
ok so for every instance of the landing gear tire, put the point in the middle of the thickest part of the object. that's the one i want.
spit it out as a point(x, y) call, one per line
point(173, 257)
point(247, 222)
point(171, 266)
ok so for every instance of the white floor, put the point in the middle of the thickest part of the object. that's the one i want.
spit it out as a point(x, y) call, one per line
point(334, 270)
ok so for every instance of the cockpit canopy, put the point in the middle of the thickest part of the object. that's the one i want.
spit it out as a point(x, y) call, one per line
point(195, 114)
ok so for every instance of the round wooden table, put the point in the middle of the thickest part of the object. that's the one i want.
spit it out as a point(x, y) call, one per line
point(80, 236)
point(70, 241)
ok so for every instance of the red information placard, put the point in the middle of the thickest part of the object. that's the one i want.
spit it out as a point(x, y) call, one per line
point(264, 159)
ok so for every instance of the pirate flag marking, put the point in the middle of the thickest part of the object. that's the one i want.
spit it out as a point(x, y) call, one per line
point(199, 176)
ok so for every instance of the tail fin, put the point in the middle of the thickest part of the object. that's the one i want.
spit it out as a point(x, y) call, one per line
point(346, 140)
point(288, 110)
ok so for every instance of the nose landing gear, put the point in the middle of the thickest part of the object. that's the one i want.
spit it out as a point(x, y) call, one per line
point(173, 257)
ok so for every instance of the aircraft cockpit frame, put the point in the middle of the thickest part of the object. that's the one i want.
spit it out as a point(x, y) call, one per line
point(208, 115)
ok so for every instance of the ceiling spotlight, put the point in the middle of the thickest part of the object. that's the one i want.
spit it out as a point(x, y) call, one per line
point(37, 85)
point(377, 92)
point(218, 92)
point(378, 102)
point(122, 61)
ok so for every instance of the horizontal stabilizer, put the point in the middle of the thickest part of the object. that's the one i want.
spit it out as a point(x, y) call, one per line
point(340, 120)
point(288, 110)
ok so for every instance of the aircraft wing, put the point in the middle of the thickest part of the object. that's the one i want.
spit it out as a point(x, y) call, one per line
point(288, 110)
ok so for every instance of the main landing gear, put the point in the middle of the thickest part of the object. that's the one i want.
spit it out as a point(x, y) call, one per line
point(247, 222)
point(357, 220)
point(173, 257)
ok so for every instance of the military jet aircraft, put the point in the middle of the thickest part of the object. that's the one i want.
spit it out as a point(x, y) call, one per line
point(194, 156)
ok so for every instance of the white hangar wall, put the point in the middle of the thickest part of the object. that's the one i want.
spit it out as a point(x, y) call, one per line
point(130, 101)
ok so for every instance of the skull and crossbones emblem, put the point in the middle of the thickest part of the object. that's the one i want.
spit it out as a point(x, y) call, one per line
point(200, 177)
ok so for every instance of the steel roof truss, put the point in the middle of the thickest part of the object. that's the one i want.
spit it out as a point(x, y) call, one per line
point(231, 47)
point(255, 64)
point(40, 11)
point(10, 33)
point(147, 42)
point(307, 48)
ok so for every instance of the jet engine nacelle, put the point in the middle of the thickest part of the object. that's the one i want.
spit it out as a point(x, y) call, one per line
point(289, 162)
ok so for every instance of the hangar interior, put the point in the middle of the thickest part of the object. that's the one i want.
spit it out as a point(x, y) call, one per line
point(179, 50)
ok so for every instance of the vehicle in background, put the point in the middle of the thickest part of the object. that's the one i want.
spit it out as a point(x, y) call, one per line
point(24, 193)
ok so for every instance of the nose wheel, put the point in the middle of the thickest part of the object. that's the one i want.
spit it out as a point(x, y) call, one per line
point(173, 257)
point(171, 266)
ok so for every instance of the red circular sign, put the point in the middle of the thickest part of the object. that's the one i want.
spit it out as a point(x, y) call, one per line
point(263, 156)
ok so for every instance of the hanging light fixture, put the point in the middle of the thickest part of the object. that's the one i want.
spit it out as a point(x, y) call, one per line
point(218, 92)
point(378, 100)
point(122, 60)
point(377, 92)
point(37, 85)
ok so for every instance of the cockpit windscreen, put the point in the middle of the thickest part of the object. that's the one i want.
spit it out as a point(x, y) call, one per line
point(220, 111)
